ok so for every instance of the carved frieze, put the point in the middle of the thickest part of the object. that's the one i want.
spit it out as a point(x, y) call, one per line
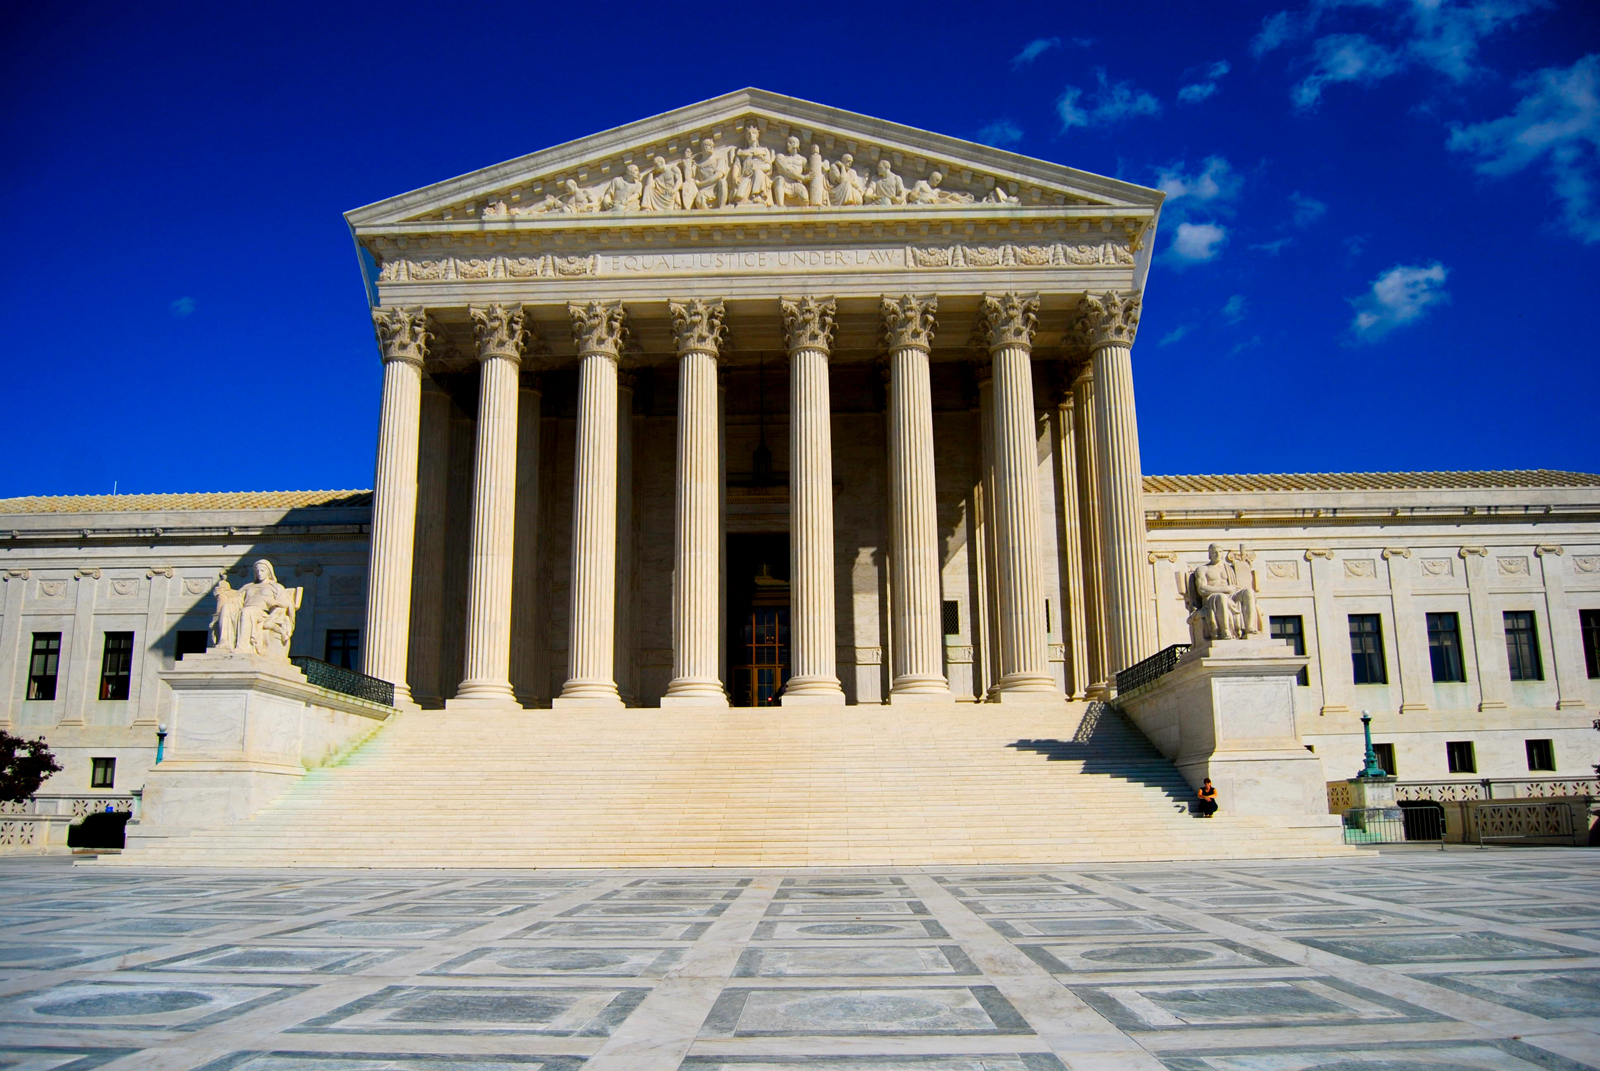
point(483, 269)
point(1109, 253)
point(808, 323)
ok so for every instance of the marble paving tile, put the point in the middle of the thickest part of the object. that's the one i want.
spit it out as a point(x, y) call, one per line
point(1493, 1055)
point(861, 881)
point(612, 930)
point(145, 926)
point(1551, 994)
point(660, 895)
point(689, 883)
point(480, 1010)
point(1054, 889)
point(514, 884)
point(852, 908)
point(1154, 1006)
point(1271, 898)
point(874, 929)
point(897, 1012)
point(456, 909)
point(693, 909)
point(97, 1005)
point(1536, 914)
point(357, 1061)
point(379, 929)
point(56, 1058)
point(55, 955)
point(1088, 926)
point(609, 962)
point(843, 892)
point(1438, 947)
point(1184, 885)
point(275, 959)
point(856, 960)
point(262, 908)
point(1325, 919)
point(1438, 895)
point(988, 1061)
point(1045, 905)
point(1214, 954)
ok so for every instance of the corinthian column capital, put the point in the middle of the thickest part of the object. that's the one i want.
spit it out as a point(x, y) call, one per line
point(599, 327)
point(1111, 319)
point(909, 321)
point(1008, 319)
point(697, 325)
point(808, 324)
point(499, 330)
point(403, 333)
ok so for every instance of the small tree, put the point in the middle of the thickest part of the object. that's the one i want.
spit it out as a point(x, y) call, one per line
point(24, 764)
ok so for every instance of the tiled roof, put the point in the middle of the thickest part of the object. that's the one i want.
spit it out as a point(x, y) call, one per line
point(197, 501)
point(1372, 481)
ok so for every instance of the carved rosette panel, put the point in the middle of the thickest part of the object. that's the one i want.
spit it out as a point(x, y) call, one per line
point(1008, 319)
point(1111, 319)
point(448, 269)
point(499, 330)
point(808, 324)
point(1110, 253)
point(909, 321)
point(403, 333)
point(697, 325)
point(599, 327)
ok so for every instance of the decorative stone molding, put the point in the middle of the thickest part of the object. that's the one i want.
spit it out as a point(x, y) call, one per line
point(499, 330)
point(485, 269)
point(909, 321)
point(599, 327)
point(1284, 570)
point(1548, 548)
point(1513, 566)
point(1008, 319)
point(197, 585)
point(125, 587)
point(1396, 552)
point(160, 570)
point(16, 574)
point(1482, 552)
point(957, 654)
point(52, 589)
point(869, 656)
point(1438, 567)
point(808, 323)
point(1111, 253)
point(1162, 556)
point(1360, 568)
point(1056, 652)
point(1112, 319)
point(86, 574)
point(1319, 552)
point(403, 333)
point(698, 325)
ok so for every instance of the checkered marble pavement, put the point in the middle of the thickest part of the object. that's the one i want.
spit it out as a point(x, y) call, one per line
point(1465, 959)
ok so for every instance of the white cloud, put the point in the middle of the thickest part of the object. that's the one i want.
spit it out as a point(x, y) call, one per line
point(1194, 243)
point(1233, 311)
point(1557, 121)
point(1174, 335)
point(1277, 30)
point(1343, 57)
point(1215, 184)
point(1273, 248)
point(182, 307)
point(1354, 246)
point(1399, 296)
point(1194, 94)
point(1000, 133)
point(1110, 103)
point(1033, 50)
point(1307, 210)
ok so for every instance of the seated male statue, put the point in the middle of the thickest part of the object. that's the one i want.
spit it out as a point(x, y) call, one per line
point(1220, 607)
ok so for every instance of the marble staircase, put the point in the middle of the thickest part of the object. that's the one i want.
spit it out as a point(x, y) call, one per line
point(797, 786)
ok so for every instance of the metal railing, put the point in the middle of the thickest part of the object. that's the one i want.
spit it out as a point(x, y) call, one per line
point(1157, 665)
point(1421, 821)
point(1488, 788)
point(1523, 820)
point(345, 681)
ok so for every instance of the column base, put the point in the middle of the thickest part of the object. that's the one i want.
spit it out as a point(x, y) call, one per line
point(581, 692)
point(1026, 688)
point(482, 694)
point(812, 692)
point(1098, 692)
point(1413, 708)
point(1492, 704)
point(1571, 704)
point(921, 692)
point(695, 692)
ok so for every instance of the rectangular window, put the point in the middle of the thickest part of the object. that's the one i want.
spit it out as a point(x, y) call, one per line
point(190, 641)
point(1460, 756)
point(102, 773)
point(341, 647)
point(1589, 622)
point(1366, 649)
point(1541, 754)
point(952, 618)
point(1522, 646)
point(1292, 630)
point(1444, 647)
point(116, 665)
point(1385, 753)
point(44, 663)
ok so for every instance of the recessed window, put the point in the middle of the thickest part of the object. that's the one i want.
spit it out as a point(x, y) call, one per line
point(1589, 622)
point(43, 665)
point(1366, 649)
point(952, 617)
point(102, 773)
point(1541, 754)
point(1385, 753)
point(342, 646)
point(1522, 646)
point(1292, 630)
point(190, 641)
point(1444, 647)
point(116, 665)
point(1460, 756)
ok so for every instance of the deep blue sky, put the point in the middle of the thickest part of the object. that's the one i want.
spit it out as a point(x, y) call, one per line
point(1389, 261)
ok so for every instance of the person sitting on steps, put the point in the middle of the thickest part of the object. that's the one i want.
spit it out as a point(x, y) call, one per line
point(1208, 799)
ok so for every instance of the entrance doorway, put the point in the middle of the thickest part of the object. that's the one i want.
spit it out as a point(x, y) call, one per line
point(758, 617)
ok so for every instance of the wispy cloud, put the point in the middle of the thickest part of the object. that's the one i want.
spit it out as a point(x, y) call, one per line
point(1399, 296)
point(1557, 121)
point(1214, 186)
point(1307, 210)
point(1000, 133)
point(1343, 57)
point(1195, 92)
point(1174, 335)
point(1276, 31)
point(1354, 246)
point(1233, 310)
point(1273, 248)
point(1195, 243)
point(1033, 50)
point(182, 307)
point(1111, 102)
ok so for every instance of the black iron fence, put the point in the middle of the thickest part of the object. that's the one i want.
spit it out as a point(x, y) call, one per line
point(345, 681)
point(1418, 821)
point(1157, 665)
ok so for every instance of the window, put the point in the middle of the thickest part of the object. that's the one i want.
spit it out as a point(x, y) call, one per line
point(1444, 647)
point(102, 773)
point(1541, 754)
point(952, 618)
point(1522, 646)
point(1460, 756)
point(341, 647)
point(43, 665)
point(1292, 630)
point(1385, 753)
point(1366, 649)
point(1589, 620)
point(190, 641)
point(116, 665)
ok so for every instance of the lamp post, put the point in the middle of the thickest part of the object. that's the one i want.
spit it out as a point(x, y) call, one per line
point(1371, 769)
point(161, 742)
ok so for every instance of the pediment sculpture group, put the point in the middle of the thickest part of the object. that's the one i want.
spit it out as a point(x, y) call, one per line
point(747, 175)
point(1221, 607)
point(257, 618)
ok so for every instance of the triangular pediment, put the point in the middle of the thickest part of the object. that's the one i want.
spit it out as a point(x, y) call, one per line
point(801, 157)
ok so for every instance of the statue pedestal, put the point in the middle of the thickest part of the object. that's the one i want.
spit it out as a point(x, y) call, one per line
point(242, 730)
point(1226, 712)
point(1372, 800)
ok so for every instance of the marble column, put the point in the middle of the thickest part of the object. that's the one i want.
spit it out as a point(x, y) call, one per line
point(1563, 637)
point(11, 645)
point(987, 543)
point(525, 608)
point(1411, 658)
point(1074, 616)
point(146, 690)
point(623, 653)
point(918, 631)
point(1110, 321)
point(403, 339)
point(425, 665)
point(1094, 581)
point(1488, 633)
point(808, 332)
point(1333, 636)
point(600, 330)
point(696, 577)
point(487, 667)
point(1007, 323)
